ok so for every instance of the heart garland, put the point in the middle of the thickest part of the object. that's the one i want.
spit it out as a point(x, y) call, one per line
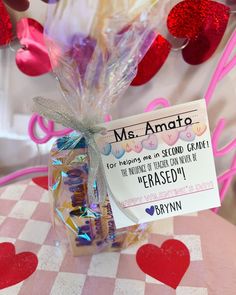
point(15, 268)
point(32, 59)
point(167, 263)
point(152, 61)
point(5, 26)
point(201, 22)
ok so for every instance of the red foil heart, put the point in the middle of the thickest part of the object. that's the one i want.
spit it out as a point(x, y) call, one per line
point(152, 61)
point(19, 5)
point(167, 264)
point(32, 59)
point(41, 181)
point(203, 22)
point(5, 26)
point(15, 268)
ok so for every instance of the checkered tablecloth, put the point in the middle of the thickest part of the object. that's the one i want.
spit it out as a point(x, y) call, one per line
point(25, 221)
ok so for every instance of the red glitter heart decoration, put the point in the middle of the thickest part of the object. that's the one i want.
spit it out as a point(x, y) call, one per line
point(167, 264)
point(32, 59)
point(19, 5)
point(15, 268)
point(41, 181)
point(152, 61)
point(203, 23)
point(5, 26)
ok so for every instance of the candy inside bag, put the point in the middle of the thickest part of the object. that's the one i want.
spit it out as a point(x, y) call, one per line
point(95, 47)
point(90, 227)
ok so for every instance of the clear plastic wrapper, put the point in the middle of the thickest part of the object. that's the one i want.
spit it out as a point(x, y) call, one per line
point(95, 47)
point(89, 226)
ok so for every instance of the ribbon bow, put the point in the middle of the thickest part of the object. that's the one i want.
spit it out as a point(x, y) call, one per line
point(87, 129)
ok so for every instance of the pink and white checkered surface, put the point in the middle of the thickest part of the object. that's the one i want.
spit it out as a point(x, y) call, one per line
point(25, 221)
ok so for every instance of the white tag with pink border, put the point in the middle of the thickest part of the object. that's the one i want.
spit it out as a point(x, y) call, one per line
point(159, 164)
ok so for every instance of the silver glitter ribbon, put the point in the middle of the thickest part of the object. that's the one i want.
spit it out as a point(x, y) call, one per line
point(60, 114)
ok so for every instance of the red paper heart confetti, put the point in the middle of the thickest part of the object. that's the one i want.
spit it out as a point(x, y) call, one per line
point(5, 26)
point(167, 264)
point(41, 181)
point(152, 61)
point(32, 59)
point(203, 23)
point(15, 268)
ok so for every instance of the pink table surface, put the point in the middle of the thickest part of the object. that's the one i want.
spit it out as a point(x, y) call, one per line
point(25, 221)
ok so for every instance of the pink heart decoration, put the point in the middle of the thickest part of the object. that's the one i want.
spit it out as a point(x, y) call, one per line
point(136, 146)
point(170, 137)
point(187, 134)
point(150, 143)
point(32, 59)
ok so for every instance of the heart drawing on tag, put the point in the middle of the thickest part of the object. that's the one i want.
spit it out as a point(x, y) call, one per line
point(127, 145)
point(104, 147)
point(170, 137)
point(150, 143)
point(167, 263)
point(15, 268)
point(199, 128)
point(150, 210)
point(117, 151)
point(187, 134)
point(136, 146)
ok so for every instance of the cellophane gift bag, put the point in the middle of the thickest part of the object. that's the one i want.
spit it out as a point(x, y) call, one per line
point(95, 47)
point(89, 225)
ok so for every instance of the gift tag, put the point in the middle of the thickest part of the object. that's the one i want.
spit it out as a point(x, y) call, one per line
point(169, 168)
